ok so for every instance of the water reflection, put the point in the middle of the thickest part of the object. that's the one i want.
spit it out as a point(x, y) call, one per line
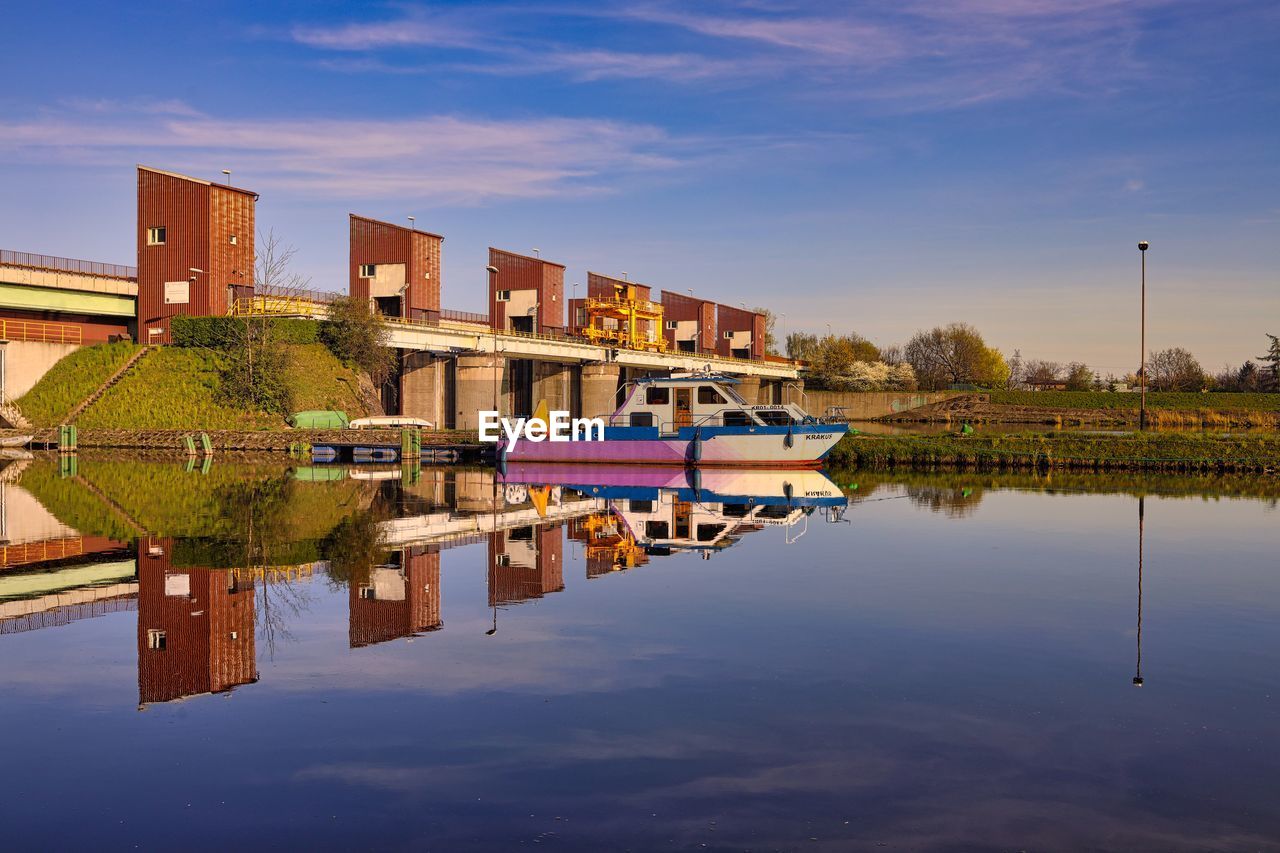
point(203, 601)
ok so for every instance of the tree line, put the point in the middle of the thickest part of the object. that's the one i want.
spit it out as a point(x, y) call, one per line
point(957, 355)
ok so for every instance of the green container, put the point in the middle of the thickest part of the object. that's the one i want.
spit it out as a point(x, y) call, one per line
point(319, 419)
point(67, 438)
point(410, 443)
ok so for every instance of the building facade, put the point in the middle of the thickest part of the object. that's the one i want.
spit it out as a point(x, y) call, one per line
point(396, 268)
point(739, 333)
point(526, 294)
point(195, 249)
point(690, 324)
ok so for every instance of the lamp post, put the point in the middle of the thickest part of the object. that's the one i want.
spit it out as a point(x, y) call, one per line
point(493, 325)
point(1142, 369)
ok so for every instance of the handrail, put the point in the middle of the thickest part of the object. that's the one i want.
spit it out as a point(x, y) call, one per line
point(40, 331)
point(57, 264)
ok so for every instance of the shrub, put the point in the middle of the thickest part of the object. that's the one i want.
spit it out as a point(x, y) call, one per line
point(222, 332)
point(355, 334)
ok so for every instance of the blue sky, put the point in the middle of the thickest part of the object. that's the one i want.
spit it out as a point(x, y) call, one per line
point(881, 167)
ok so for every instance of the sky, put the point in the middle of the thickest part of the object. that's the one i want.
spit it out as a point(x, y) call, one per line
point(876, 167)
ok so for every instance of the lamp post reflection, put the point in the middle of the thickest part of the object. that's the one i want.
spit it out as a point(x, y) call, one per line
point(1137, 676)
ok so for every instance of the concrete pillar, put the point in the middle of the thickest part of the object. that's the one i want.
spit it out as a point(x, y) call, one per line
point(599, 390)
point(422, 387)
point(478, 375)
point(474, 491)
point(551, 383)
point(748, 388)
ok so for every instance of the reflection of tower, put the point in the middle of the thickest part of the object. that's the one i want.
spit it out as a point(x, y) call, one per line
point(400, 599)
point(195, 627)
point(525, 563)
point(1137, 676)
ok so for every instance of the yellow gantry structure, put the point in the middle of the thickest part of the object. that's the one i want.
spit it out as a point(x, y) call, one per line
point(606, 538)
point(624, 320)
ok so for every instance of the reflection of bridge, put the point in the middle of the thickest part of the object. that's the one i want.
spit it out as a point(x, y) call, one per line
point(448, 528)
point(47, 599)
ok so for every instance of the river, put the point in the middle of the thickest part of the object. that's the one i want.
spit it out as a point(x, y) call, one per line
point(260, 656)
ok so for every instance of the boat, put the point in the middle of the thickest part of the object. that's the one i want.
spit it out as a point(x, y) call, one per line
point(15, 440)
point(695, 419)
point(389, 422)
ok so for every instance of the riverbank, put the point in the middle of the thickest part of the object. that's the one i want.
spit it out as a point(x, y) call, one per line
point(1102, 409)
point(1131, 451)
point(252, 441)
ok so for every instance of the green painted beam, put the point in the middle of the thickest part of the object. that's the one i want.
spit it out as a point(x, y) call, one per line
point(30, 298)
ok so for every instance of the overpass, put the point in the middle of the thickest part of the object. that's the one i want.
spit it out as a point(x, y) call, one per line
point(453, 367)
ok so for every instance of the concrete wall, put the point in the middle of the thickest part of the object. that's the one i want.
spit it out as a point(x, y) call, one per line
point(867, 405)
point(422, 387)
point(25, 362)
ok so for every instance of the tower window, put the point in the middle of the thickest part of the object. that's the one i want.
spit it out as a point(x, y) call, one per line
point(504, 295)
point(233, 240)
point(156, 639)
point(155, 235)
point(368, 270)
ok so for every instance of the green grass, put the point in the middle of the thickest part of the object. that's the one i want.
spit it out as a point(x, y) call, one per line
point(71, 380)
point(180, 388)
point(1174, 401)
point(1148, 451)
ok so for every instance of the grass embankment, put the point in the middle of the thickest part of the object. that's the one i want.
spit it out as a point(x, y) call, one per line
point(1102, 408)
point(71, 380)
point(1136, 451)
point(1227, 402)
point(180, 388)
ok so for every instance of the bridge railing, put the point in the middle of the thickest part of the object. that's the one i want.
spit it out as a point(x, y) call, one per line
point(40, 331)
point(52, 262)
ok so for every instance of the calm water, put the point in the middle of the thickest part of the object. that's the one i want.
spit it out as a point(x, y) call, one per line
point(259, 657)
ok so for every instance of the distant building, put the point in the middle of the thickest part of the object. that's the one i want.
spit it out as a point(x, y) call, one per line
point(396, 268)
point(739, 333)
point(527, 294)
point(690, 323)
point(195, 249)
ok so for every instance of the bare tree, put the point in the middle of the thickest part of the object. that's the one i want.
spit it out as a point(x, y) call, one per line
point(1175, 369)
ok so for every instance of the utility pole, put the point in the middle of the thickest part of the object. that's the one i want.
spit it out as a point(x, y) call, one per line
point(1142, 370)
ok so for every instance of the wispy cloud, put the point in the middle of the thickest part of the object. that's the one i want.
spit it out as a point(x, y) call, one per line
point(449, 159)
point(918, 54)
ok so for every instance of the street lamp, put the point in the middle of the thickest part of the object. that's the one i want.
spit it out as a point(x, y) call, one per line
point(1142, 369)
point(493, 324)
point(412, 227)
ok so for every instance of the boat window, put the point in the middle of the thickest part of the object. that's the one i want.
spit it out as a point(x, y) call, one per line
point(775, 417)
point(737, 417)
point(641, 506)
point(655, 529)
point(708, 394)
point(734, 395)
point(736, 510)
point(657, 396)
point(642, 419)
point(708, 532)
